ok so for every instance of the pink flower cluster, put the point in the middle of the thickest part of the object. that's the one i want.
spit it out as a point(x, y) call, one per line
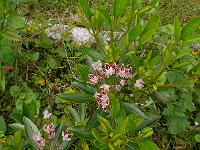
point(66, 135)
point(107, 71)
point(50, 130)
point(39, 139)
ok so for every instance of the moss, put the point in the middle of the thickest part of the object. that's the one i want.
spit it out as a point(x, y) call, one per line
point(184, 9)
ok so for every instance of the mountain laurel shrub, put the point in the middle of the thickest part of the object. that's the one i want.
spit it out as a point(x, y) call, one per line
point(133, 87)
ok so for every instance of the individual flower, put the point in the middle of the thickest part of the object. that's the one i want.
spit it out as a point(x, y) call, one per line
point(131, 95)
point(39, 139)
point(97, 65)
point(124, 72)
point(66, 135)
point(105, 87)
point(121, 71)
point(50, 130)
point(122, 82)
point(47, 114)
point(109, 70)
point(93, 79)
point(129, 73)
point(139, 84)
point(117, 87)
point(102, 100)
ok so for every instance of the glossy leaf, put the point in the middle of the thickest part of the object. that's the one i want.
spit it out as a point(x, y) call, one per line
point(146, 37)
point(190, 27)
point(87, 88)
point(105, 122)
point(64, 145)
point(16, 126)
point(133, 109)
point(77, 98)
point(191, 39)
point(148, 145)
point(135, 32)
point(86, 8)
point(182, 65)
point(120, 129)
point(31, 129)
point(56, 137)
point(168, 58)
point(82, 110)
point(163, 96)
point(105, 15)
point(80, 131)
point(136, 4)
point(115, 105)
point(119, 7)
point(2, 125)
point(177, 30)
point(75, 115)
point(93, 121)
point(83, 69)
point(152, 24)
point(148, 120)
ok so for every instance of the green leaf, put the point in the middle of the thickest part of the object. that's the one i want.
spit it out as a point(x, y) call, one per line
point(135, 32)
point(119, 7)
point(115, 105)
point(105, 122)
point(120, 129)
point(7, 55)
point(190, 27)
point(52, 63)
point(80, 131)
point(77, 98)
point(191, 39)
point(2, 125)
point(182, 65)
point(133, 109)
point(197, 138)
point(86, 8)
point(35, 56)
point(45, 42)
point(17, 22)
point(30, 130)
point(163, 96)
point(82, 110)
point(64, 145)
point(146, 37)
point(146, 132)
point(2, 84)
point(105, 14)
point(168, 58)
point(148, 120)
point(29, 110)
point(177, 124)
point(83, 69)
point(171, 76)
point(93, 121)
point(148, 145)
point(87, 88)
point(154, 2)
point(56, 137)
point(182, 53)
point(16, 126)
point(177, 31)
point(152, 24)
point(136, 4)
point(75, 115)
